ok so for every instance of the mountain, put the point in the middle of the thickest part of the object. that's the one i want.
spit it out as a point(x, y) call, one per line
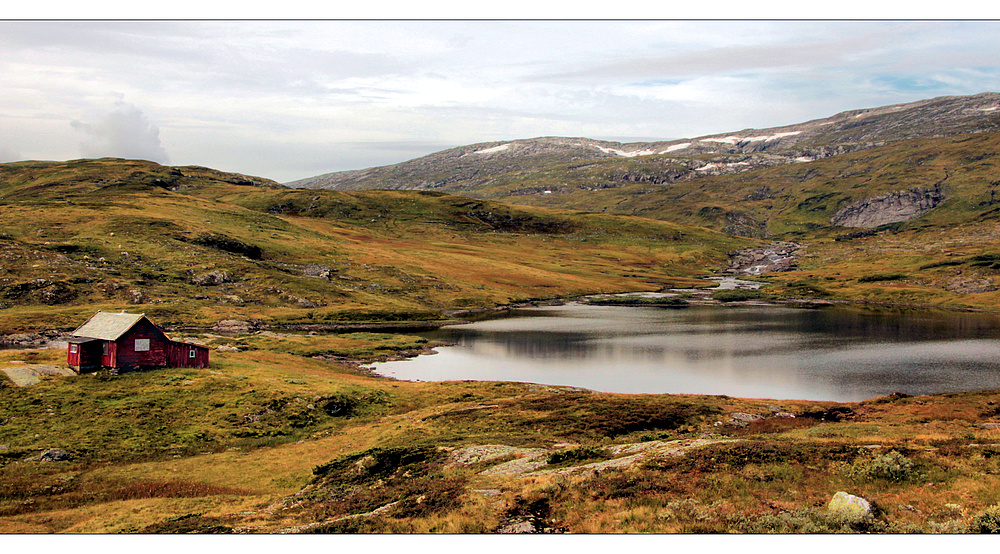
point(472, 169)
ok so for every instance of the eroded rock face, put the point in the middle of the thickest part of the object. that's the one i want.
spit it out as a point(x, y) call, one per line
point(894, 207)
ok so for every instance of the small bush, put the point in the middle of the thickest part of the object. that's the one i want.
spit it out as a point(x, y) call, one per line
point(578, 454)
point(881, 277)
point(986, 521)
point(640, 301)
point(892, 466)
point(736, 295)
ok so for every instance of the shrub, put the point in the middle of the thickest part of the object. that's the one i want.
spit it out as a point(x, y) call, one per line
point(986, 521)
point(640, 301)
point(580, 453)
point(736, 295)
point(881, 277)
point(892, 466)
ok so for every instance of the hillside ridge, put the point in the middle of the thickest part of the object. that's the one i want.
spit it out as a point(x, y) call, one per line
point(844, 132)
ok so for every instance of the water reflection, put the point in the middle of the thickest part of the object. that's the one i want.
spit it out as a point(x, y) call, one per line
point(767, 352)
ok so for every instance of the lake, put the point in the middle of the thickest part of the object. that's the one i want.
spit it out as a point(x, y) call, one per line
point(831, 353)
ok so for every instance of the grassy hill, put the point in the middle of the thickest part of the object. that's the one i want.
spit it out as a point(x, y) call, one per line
point(192, 246)
point(273, 440)
point(945, 257)
point(279, 436)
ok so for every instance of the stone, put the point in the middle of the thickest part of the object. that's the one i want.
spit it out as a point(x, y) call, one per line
point(852, 509)
point(211, 278)
point(740, 416)
point(136, 296)
point(55, 455)
point(318, 270)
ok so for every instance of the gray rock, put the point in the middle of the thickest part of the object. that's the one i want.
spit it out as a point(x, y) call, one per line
point(318, 270)
point(55, 455)
point(211, 278)
point(741, 416)
point(889, 208)
point(520, 527)
point(851, 508)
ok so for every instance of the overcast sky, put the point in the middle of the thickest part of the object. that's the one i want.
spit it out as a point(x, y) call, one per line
point(293, 99)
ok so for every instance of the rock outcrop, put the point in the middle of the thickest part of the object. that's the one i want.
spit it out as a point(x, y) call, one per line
point(889, 208)
point(778, 256)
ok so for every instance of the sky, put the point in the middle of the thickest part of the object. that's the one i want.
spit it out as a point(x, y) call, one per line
point(291, 99)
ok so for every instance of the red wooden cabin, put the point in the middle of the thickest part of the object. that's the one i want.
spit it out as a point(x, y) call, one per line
point(127, 342)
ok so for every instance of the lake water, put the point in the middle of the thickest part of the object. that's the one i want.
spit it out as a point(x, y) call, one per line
point(834, 353)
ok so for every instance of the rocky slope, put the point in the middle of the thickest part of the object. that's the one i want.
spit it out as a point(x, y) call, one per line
point(471, 167)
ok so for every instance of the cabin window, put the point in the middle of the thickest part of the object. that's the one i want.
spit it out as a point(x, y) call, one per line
point(142, 345)
point(105, 348)
point(72, 349)
point(191, 353)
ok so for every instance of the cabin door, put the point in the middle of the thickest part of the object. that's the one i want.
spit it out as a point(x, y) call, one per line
point(90, 355)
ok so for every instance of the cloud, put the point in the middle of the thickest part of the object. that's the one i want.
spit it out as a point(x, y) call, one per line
point(125, 132)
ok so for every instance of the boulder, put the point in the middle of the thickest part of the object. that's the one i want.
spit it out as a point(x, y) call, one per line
point(852, 509)
point(211, 279)
point(55, 455)
point(318, 270)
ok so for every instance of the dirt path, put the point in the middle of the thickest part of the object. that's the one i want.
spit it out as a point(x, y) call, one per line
point(30, 374)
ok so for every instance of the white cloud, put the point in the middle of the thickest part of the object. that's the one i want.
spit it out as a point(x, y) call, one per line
point(247, 95)
point(124, 132)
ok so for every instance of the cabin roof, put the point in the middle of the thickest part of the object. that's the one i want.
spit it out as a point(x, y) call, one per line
point(108, 325)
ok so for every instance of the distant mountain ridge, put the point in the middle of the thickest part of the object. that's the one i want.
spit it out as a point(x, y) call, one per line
point(468, 168)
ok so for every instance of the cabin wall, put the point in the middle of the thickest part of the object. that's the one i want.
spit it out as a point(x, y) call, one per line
point(179, 355)
point(153, 353)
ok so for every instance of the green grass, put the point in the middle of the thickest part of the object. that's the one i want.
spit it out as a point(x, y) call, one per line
point(207, 450)
point(200, 246)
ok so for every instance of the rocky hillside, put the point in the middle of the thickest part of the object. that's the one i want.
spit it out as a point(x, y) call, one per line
point(470, 168)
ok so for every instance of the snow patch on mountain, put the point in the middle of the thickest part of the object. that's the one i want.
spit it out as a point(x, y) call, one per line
point(631, 154)
point(711, 166)
point(733, 139)
point(499, 148)
point(675, 147)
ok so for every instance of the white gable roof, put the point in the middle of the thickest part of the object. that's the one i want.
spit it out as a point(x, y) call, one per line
point(108, 325)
